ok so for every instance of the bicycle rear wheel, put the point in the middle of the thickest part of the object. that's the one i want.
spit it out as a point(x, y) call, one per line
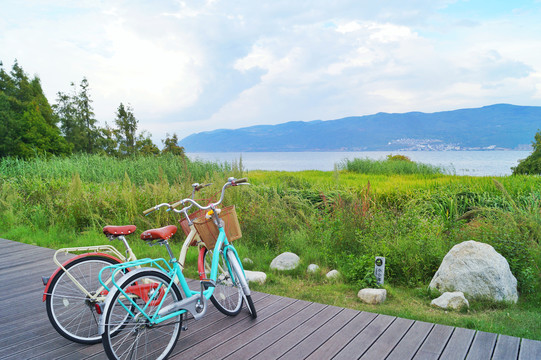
point(227, 295)
point(71, 312)
point(240, 279)
point(134, 337)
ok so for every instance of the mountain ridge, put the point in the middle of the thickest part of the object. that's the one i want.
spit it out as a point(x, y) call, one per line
point(492, 127)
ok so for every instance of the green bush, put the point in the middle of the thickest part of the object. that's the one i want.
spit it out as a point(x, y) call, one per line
point(393, 165)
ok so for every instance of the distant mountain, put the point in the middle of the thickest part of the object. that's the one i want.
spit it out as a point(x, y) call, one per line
point(493, 127)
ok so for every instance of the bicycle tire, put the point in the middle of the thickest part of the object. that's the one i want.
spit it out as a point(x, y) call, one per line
point(227, 296)
point(239, 275)
point(135, 338)
point(72, 313)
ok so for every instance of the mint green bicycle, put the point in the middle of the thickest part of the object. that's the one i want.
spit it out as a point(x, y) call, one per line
point(143, 312)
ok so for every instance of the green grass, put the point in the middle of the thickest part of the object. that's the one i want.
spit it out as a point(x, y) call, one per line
point(397, 165)
point(339, 219)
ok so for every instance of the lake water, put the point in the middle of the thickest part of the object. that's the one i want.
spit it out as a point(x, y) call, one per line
point(474, 163)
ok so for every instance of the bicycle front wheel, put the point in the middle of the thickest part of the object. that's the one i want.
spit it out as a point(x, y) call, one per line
point(135, 337)
point(71, 312)
point(240, 279)
point(227, 295)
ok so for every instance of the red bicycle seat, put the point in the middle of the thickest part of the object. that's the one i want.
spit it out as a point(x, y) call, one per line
point(163, 233)
point(119, 230)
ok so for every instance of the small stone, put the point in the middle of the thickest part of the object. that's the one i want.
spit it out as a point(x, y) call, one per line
point(451, 300)
point(285, 261)
point(313, 268)
point(247, 261)
point(372, 296)
point(333, 274)
point(255, 276)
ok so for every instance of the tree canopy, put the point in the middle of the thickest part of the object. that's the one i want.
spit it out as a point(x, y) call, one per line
point(27, 122)
point(532, 164)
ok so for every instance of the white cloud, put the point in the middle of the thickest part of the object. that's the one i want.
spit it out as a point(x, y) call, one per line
point(189, 66)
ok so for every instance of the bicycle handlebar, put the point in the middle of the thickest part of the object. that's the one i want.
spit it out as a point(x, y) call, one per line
point(230, 182)
point(196, 187)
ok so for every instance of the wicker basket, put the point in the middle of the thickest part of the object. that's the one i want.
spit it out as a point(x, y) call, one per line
point(208, 231)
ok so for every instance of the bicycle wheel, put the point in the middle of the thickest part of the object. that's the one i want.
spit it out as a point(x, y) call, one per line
point(239, 277)
point(134, 337)
point(227, 296)
point(71, 312)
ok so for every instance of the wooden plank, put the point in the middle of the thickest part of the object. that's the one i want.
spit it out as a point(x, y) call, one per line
point(221, 341)
point(459, 344)
point(412, 341)
point(434, 344)
point(266, 320)
point(482, 346)
point(333, 345)
point(314, 340)
point(389, 339)
point(530, 350)
point(32, 271)
point(200, 330)
point(278, 348)
point(364, 340)
point(506, 348)
point(276, 333)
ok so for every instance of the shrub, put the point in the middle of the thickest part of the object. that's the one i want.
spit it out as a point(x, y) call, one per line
point(391, 166)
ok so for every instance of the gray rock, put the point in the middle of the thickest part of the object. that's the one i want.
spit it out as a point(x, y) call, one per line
point(285, 261)
point(476, 269)
point(255, 276)
point(451, 300)
point(312, 268)
point(247, 261)
point(333, 274)
point(372, 296)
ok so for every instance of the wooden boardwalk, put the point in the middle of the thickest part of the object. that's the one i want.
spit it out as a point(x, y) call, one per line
point(285, 328)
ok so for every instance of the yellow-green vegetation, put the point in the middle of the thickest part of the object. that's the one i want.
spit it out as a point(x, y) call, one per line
point(338, 220)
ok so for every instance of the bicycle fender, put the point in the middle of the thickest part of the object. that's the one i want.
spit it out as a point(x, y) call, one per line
point(201, 263)
point(68, 262)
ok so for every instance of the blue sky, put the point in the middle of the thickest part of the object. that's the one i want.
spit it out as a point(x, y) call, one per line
point(190, 66)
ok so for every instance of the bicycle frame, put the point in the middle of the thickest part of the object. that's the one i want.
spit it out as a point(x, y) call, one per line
point(195, 302)
point(113, 253)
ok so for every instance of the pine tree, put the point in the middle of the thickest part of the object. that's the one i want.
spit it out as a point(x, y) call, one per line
point(27, 122)
point(76, 115)
point(127, 126)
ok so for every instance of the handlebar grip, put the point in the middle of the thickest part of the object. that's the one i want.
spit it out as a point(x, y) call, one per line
point(176, 204)
point(240, 181)
point(148, 211)
point(200, 186)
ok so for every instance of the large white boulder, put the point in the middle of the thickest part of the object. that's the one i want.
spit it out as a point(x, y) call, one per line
point(451, 300)
point(255, 276)
point(285, 261)
point(477, 270)
point(372, 296)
